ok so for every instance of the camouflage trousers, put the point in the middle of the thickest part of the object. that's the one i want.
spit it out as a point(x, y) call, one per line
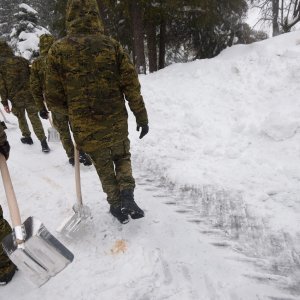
point(113, 166)
point(61, 124)
point(5, 264)
point(32, 113)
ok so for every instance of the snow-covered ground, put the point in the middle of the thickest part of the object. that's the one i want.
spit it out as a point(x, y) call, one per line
point(218, 176)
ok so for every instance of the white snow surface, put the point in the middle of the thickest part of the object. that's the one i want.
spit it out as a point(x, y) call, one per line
point(28, 8)
point(218, 176)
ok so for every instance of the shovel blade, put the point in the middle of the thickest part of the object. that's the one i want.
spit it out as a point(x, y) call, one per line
point(53, 135)
point(76, 223)
point(32, 269)
point(41, 256)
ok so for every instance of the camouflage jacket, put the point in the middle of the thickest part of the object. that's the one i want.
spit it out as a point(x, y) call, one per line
point(37, 74)
point(14, 76)
point(88, 77)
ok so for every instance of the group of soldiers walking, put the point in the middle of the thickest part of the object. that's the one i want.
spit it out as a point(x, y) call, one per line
point(84, 80)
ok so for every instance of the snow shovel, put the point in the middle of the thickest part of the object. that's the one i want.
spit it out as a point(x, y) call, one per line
point(82, 213)
point(5, 120)
point(53, 134)
point(31, 247)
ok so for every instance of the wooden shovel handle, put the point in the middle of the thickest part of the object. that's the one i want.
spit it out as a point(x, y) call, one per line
point(77, 176)
point(49, 113)
point(50, 119)
point(10, 193)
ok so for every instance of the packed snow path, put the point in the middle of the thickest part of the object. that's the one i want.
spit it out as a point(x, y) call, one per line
point(173, 253)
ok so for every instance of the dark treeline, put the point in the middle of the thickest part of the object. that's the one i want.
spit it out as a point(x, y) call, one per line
point(155, 33)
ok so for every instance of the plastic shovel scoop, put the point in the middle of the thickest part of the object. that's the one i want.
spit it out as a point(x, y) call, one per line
point(53, 134)
point(31, 247)
point(80, 219)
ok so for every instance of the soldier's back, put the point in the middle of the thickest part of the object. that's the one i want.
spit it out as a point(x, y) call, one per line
point(16, 72)
point(90, 64)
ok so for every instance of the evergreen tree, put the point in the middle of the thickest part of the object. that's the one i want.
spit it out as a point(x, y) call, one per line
point(24, 36)
point(7, 10)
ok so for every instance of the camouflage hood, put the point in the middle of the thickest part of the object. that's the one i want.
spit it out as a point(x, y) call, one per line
point(5, 50)
point(46, 41)
point(83, 17)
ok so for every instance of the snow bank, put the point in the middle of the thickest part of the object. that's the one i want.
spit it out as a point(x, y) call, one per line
point(232, 122)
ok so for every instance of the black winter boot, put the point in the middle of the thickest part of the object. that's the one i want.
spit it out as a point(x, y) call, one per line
point(117, 213)
point(71, 161)
point(128, 205)
point(45, 147)
point(84, 159)
point(27, 140)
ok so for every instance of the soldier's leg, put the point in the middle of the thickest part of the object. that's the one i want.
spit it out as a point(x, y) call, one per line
point(121, 158)
point(35, 121)
point(126, 182)
point(7, 268)
point(105, 168)
point(19, 112)
point(61, 124)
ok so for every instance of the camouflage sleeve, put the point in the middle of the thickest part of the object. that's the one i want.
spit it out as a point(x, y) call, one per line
point(2, 135)
point(130, 86)
point(3, 91)
point(55, 93)
point(36, 86)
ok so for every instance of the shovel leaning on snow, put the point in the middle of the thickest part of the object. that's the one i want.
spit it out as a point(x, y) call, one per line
point(31, 247)
point(82, 213)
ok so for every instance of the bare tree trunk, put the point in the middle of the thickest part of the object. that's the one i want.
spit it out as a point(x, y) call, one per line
point(162, 44)
point(136, 14)
point(275, 13)
point(151, 43)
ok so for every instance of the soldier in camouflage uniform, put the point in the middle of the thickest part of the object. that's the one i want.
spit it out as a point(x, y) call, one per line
point(37, 85)
point(7, 268)
point(88, 77)
point(14, 86)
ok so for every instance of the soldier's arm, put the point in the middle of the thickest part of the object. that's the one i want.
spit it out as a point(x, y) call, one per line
point(36, 86)
point(55, 93)
point(3, 91)
point(130, 86)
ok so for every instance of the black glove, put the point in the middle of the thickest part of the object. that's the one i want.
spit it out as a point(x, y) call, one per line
point(4, 149)
point(44, 114)
point(145, 130)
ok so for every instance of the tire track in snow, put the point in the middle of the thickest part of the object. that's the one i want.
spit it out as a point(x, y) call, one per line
point(233, 224)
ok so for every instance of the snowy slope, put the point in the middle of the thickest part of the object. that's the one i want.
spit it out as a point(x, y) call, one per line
point(218, 176)
point(232, 122)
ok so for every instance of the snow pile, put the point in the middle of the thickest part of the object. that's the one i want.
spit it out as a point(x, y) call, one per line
point(231, 122)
